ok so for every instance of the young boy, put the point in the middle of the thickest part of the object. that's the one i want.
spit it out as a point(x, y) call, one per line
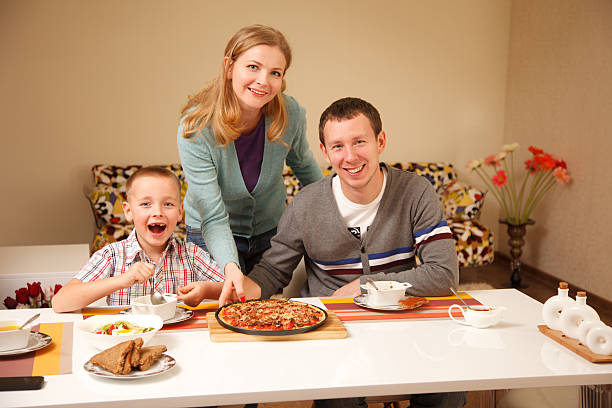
point(150, 256)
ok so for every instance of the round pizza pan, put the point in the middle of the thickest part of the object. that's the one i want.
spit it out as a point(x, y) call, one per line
point(271, 332)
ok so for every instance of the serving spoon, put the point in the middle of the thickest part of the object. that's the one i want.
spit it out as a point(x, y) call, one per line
point(30, 320)
point(462, 301)
point(157, 298)
point(371, 282)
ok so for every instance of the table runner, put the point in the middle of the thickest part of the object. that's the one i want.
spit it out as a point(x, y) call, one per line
point(437, 308)
point(345, 309)
point(54, 359)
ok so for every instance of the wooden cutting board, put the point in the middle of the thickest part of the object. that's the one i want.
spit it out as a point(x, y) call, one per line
point(574, 345)
point(332, 329)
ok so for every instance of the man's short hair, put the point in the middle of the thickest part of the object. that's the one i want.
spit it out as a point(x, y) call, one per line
point(348, 108)
point(154, 171)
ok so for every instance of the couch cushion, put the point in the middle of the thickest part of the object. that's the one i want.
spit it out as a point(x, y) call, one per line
point(107, 205)
point(462, 201)
point(439, 174)
point(474, 243)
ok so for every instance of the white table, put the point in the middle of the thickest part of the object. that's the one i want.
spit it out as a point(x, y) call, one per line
point(377, 358)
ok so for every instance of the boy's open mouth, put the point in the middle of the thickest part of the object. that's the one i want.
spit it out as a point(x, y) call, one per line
point(157, 228)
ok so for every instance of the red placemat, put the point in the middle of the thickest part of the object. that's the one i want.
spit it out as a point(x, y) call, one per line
point(436, 308)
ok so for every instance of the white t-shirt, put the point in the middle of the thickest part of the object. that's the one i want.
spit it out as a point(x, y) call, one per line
point(358, 217)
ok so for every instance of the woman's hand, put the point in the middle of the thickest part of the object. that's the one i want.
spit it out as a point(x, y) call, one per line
point(233, 288)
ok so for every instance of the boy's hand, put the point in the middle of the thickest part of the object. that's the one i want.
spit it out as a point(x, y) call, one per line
point(192, 294)
point(140, 272)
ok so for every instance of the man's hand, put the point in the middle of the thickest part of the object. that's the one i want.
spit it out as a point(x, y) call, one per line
point(349, 290)
point(192, 293)
point(140, 272)
point(233, 288)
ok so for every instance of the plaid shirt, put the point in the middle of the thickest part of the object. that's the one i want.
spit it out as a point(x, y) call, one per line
point(181, 263)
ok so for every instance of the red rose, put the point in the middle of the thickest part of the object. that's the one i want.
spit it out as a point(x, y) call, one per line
point(57, 288)
point(34, 289)
point(22, 295)
point(10, 303)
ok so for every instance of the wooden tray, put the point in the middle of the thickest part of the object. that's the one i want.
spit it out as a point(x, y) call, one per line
point(332, 329)
point(574, 345)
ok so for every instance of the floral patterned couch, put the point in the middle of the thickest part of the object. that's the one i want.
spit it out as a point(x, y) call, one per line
point(461, 204)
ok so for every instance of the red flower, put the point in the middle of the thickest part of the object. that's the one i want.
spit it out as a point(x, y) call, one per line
point(57, 288)
point(22, 295)
point(545, 161)
point(561, 175)
point(491, 160)
point(535, 150)
point(10, 303)
point(561, 163)
point(34, 289)
point(532, 166)
point(500, 178)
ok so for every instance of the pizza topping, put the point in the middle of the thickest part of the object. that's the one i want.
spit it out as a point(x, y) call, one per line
point(271, 314)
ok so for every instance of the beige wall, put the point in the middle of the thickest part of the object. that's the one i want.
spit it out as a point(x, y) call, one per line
point(560, 99)
point(87, 82)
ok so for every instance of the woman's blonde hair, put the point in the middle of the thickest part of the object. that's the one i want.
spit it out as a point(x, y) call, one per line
point(217, 103)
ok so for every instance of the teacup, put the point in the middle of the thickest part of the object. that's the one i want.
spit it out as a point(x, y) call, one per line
point(478, 316)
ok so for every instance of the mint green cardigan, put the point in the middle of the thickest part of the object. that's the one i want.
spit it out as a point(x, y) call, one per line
point(217, 201)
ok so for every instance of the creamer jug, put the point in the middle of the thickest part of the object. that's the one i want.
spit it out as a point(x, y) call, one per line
point(573, 316)
point(551, 312)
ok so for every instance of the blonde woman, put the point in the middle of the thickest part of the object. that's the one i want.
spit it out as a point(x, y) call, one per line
point(233, 139)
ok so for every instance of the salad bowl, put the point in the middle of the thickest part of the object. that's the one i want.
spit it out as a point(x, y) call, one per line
point(104, 331)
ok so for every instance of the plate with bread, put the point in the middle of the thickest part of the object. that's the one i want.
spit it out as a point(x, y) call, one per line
point(130, 360)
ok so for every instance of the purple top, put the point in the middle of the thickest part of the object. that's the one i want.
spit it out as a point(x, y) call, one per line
point(249, 149)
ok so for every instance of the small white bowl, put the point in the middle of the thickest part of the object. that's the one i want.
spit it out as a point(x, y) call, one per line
point(387, 294)
point(103, 341)
point(142, 305)
point(10, 337)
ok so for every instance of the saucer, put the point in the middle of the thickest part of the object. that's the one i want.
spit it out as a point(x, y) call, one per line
point(362, 300)
point(36, 341)
point(180, 315)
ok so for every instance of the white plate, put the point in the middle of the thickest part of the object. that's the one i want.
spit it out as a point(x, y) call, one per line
point(36, 341)
point(362, 300)
point(180, 315)
point(162, 365)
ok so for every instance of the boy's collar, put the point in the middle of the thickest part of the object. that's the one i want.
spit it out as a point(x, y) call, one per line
point(134, 250)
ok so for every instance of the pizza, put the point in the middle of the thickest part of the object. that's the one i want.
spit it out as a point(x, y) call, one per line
point(271, 315)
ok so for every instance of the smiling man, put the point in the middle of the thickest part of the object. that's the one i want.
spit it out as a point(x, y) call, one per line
point(367, 220)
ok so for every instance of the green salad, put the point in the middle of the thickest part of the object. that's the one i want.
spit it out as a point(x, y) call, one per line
point(121, 327)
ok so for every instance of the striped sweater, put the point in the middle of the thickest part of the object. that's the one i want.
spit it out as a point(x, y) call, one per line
point(409, 225)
